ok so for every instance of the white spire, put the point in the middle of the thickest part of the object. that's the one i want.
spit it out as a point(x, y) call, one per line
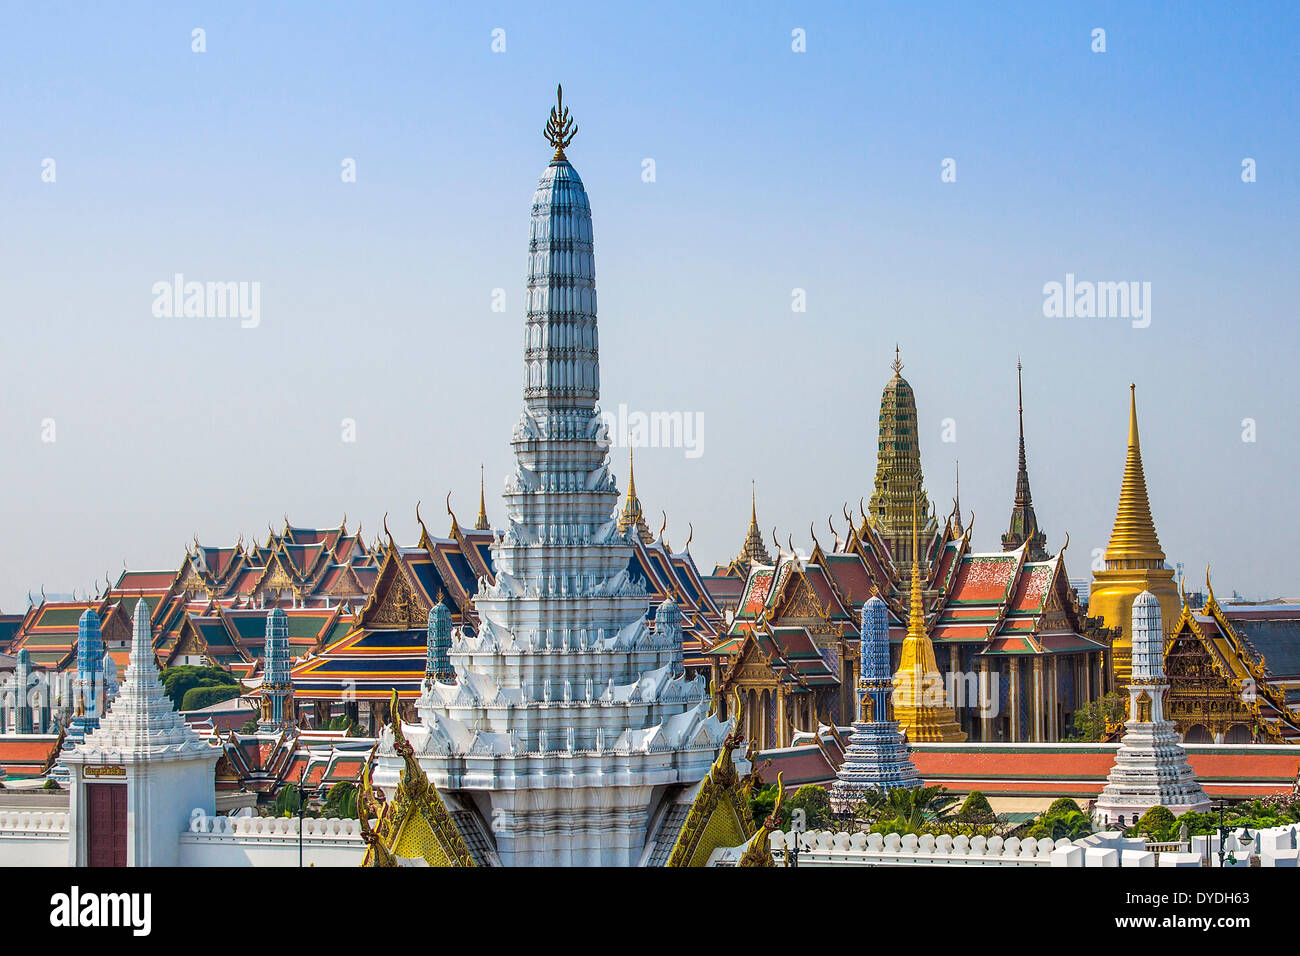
point(141, 723)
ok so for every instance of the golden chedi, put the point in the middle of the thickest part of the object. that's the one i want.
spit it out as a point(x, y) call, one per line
point(1134, 559)
point(920, 695)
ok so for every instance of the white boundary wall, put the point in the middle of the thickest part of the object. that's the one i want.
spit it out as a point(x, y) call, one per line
point(33, 838)
point(271, 841)
point(1275, 847)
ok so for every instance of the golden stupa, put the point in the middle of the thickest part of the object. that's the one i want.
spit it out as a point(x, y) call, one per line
point(920, 696)
point(1134, 559)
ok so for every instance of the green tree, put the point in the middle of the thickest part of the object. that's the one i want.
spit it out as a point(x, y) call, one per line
point(180, 679)
point(1088, 723)
point(287, 801)
point(341, 801)
point(1063, 805)
point(761, 803)
point(815, 802)
point(250, 726)
point(1158, 824)
point(1069, 825)
point(343, 722)
point(907, 809)
point(196, 698)
point(976, 809)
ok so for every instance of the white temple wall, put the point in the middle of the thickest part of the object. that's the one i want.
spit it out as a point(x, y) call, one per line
point(1276, 847)
point(270, 841)
point(33, 839)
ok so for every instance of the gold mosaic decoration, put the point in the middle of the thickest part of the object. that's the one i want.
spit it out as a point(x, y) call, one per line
point(415, 824)
point(720, 816)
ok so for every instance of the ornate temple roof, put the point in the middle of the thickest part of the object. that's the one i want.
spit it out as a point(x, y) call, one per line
point(1250, 648)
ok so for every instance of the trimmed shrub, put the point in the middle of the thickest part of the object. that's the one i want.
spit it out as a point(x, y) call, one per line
point(197, 698)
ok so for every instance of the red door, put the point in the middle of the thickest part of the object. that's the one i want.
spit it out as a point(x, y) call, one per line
point(106, 832)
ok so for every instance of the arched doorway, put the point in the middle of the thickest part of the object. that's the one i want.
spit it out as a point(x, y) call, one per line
point(1198, 734)
point(1237, 734)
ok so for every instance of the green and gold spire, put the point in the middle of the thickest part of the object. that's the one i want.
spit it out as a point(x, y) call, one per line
point(900, 486)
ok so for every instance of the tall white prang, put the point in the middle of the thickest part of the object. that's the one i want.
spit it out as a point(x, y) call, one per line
point(569, 720)
point(1151, 767)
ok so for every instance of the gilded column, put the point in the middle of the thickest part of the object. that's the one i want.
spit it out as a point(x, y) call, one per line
point(988, 698)
point(1013, 718)
point(1036, 694)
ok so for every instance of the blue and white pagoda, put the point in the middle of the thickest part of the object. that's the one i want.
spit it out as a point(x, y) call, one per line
point(277, 689)
point(877, 757)
point(95, 685)
point(569, 721)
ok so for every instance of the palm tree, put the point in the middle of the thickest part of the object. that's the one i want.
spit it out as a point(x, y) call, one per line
point(910, 810)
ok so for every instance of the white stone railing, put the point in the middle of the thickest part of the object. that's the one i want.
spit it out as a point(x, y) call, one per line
point(28, 824)
point(33, 838)
point(327, 828)
point(823, 848)
point(270, 841)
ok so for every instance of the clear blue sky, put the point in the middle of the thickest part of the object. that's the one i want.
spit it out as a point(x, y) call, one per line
point(775, 170)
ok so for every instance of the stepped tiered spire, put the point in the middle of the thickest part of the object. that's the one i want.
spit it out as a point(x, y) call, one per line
point(24, 717)
point(88, 689)
point(437, 665)
point(754, 551)
point(631, 516)
point(1134, 560)
point(900, 485)
point(142, 724)
point(877, 757)
point(1151, 768)
point(564, 688)
point(1024, 523)
point(955, 528)
point(921, 704)
point(277, 688)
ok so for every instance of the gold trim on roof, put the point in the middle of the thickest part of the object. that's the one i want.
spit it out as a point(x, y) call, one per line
point(415, 825)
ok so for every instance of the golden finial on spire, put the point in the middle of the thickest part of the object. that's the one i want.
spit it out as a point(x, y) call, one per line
point(631, 475)
point(898, 361)
point(560, 129)
point(1133, 537)
point(916, 621)
point(481, 524)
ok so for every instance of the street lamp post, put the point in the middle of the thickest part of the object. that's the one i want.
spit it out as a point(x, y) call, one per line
point(302, 802)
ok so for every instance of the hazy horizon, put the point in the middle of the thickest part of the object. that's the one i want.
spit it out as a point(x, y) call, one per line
point(774, 171)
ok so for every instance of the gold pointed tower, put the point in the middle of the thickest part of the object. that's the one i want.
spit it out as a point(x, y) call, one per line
point(1134, 559)
point(631, 515)
point(753, 551)
point(920, 698)
point(481, 524)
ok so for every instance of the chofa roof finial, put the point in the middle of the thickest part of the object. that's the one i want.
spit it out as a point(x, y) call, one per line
point(560, 129)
